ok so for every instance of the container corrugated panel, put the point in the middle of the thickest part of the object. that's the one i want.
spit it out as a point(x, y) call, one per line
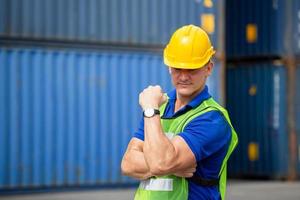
point(256, 102)
point(297, 112)
point(215, 81)
point(262, 28)
point(134, 22)
point(293, 31)
point(67, 116)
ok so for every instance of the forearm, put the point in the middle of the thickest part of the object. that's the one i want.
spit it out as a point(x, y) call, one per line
point(159, 151)
point(134, 165)
point(162, 155)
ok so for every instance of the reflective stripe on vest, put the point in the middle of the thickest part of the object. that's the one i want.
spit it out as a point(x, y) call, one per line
point(157, 184)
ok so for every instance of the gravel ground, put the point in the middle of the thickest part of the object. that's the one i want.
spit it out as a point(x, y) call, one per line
point(237, 190)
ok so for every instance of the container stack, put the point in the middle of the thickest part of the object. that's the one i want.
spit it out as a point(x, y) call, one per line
point(262, 44)
point(297, 112)
point(70, 76)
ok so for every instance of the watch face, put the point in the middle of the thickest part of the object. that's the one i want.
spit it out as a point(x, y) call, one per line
point(149, 112)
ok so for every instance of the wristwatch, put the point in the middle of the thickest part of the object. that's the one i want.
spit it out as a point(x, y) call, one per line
point(150, 112)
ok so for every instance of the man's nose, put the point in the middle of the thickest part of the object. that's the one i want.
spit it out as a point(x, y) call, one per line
point(184, 74)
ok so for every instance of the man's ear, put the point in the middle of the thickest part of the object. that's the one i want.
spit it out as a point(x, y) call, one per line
point(169, 70)
point(209, 68)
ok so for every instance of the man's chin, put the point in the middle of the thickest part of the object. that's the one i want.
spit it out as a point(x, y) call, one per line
point(184, 92)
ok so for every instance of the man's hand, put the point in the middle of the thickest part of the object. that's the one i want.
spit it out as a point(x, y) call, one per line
point(152, 97)
point(187, 173)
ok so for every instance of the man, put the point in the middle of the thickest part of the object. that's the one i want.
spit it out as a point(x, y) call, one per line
point(185, 138)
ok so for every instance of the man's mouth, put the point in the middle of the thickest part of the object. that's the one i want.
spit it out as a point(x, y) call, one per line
point(184, 84)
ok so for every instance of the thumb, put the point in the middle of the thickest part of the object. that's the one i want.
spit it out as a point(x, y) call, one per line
point(165, 97)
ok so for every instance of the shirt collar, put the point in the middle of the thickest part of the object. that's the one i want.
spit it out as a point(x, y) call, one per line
point(169, 111)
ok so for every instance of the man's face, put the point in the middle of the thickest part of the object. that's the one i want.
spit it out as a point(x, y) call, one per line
point(189, 82)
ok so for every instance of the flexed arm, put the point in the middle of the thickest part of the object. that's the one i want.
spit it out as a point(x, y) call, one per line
point(163, 156)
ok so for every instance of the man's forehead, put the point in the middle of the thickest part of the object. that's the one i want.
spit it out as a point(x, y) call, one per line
point(205, 66)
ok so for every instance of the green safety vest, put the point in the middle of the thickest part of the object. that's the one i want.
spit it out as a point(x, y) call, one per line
point(176, 188)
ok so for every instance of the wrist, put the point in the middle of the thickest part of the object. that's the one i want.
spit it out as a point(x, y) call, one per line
point(152, 106)
point(150, 112)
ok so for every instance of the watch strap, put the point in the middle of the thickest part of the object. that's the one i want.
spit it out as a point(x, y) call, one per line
point(156, 112)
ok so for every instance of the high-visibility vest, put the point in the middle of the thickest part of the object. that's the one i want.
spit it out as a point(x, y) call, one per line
point(176, 188)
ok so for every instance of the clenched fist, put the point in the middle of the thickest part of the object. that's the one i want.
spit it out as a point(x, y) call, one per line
point(152, 97)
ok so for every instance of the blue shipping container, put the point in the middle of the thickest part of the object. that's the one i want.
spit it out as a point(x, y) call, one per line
point(67, 116)
point(262, 28)
point(215, 81)
point(133, 22)
point(256, 101)
point(297, 112)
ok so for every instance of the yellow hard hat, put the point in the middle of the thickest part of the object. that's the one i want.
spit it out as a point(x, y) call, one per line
point(189, 48)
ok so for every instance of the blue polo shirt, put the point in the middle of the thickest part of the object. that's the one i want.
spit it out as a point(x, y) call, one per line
point(208, 137)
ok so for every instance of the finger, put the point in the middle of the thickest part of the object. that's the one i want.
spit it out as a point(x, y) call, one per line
point(158, 88)
point(165, 98)
point(193, 168)
point(190, 171)
point(187, 174)
point(140, 98)
point(161, 90)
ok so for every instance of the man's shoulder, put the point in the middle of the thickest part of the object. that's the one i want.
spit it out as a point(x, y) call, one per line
point(212, 116)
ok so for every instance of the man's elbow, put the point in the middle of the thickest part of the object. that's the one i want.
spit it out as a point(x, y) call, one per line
point(125, 168)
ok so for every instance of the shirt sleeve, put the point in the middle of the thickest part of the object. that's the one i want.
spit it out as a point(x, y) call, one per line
point(140, 131)
point(207, 134)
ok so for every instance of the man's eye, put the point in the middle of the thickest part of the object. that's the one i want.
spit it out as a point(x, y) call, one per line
point(193, 71)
